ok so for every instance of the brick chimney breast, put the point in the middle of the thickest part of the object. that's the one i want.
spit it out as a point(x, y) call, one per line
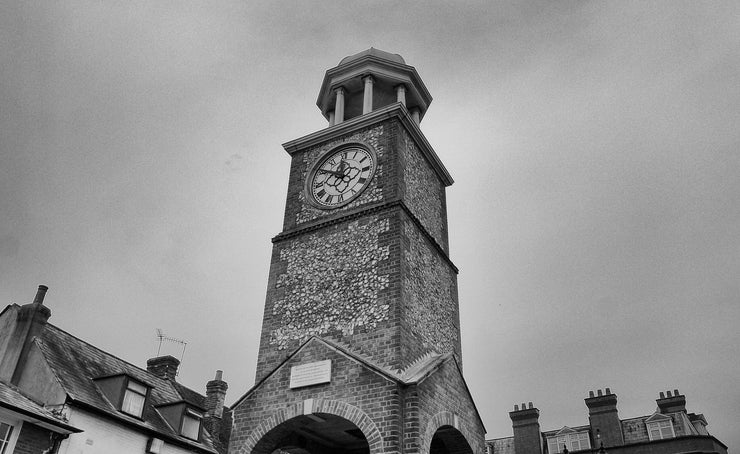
point(216, 395)
point(674, 402)
point(526, 425)
point(30, 321)
point(163, 367)
point(603, 417)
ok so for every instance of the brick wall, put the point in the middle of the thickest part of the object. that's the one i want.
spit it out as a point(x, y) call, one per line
point(393, 418)
point(442, 396)
point(356, 393)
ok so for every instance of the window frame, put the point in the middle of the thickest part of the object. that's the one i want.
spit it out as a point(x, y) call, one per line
point(196, 415)
point(659, 426)
point(7, 446)
point(126, 389)
point(567, 439)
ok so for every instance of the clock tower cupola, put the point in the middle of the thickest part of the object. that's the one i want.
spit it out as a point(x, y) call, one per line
point(360, 343)
point(370, 80)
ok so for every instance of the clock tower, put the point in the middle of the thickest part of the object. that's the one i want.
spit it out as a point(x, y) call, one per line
point(360, 343)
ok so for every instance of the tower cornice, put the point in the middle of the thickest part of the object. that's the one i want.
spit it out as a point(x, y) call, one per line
point(395, 110)
point(319, 225)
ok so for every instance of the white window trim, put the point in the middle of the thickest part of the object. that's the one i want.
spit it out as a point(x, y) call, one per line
point(126, 390)
point(657, 424)
point(194, 415)
point(17, 425)
point(568, 441)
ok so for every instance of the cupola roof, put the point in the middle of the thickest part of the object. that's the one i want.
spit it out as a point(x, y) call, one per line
point(376, 53)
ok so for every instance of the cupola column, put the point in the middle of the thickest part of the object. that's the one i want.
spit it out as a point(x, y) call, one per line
point(401, 94)
point(367, 100)
point(339, 106)
point(415, 115)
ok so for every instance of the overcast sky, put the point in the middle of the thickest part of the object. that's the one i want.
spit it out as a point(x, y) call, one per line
point(595, 216)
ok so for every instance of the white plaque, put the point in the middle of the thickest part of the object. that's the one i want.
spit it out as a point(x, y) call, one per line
point(310, 374)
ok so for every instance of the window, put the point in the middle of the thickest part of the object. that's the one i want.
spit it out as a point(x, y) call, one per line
point(6, 432)
point(573, 441)
point(659, 430)
point(134, 398)
point(191, 424)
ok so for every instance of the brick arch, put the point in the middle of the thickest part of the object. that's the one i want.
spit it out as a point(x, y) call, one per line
point(260, 438)
point(446, 419)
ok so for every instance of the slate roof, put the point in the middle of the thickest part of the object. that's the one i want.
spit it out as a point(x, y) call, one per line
point(76, 364)
point(12, 399)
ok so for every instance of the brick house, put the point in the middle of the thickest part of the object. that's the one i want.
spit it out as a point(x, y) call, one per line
point(669, 430)
point(60, 394)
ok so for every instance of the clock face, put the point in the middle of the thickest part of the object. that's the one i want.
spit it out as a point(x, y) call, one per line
point(340, 176)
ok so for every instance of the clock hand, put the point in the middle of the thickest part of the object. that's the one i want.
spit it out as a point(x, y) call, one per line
point(333, 172)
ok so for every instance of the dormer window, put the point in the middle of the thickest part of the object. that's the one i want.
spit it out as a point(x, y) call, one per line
point(191, 422)
point(125, 393)
point(660, 430)
point(568, 438)
point(133, 398)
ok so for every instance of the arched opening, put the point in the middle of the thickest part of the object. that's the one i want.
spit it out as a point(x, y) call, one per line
point(448, 440)
point(316, 433)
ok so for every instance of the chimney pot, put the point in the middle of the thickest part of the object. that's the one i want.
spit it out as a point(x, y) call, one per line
point(516, 407)
point(669, 394)
point(590, 394)
point(675, 392)
point(662, 395)
point(40, 294)
point(608, 391)
point(598, 391)
point(524, 407)
point(219, 374)
point(530, 405)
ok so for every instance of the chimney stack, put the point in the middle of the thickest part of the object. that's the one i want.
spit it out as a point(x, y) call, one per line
point(527, 436)
point(603, 417)
point(217, 422)
point(163, 367)
point(30, 320)
point(40, 294)
point(673, 403)
point(216, 395)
